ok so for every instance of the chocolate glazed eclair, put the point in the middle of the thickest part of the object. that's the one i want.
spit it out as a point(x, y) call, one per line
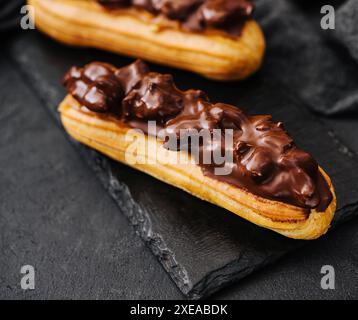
point(271, 182)
point(216, 38)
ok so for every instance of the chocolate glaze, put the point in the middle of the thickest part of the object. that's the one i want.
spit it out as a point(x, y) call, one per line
point(266, 161)
point(194, 15)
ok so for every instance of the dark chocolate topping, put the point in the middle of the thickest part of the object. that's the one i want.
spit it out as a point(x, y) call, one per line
point(96, 87)
point(153, 98)
point(195, 15)
point(266, 161)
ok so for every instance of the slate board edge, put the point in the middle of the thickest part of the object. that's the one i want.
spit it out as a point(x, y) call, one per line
point(137, 217)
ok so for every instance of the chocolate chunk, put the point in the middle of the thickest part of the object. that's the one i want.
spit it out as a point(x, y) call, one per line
point(129, 76)
point(154, 98)
point(96, 87)
point(114, 3)
point(176, 10)
point(195, 15)
point(218, 12)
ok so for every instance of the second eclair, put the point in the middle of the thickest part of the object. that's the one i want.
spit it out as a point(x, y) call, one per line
point(216, 38)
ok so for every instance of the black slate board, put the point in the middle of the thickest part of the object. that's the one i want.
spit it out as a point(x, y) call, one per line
point(202, 246)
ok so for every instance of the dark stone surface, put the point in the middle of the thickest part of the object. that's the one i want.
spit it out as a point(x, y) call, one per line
point(316, 64)
point(55, 215)
point(203, 247)
point(297, 276)
point(9, 14)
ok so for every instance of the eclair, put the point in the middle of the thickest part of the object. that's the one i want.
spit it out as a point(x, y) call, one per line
point(218, 39)
point(246, 164)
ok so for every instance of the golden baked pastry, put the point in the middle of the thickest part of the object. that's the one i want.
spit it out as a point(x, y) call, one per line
point(212, 52)
point(273, 184)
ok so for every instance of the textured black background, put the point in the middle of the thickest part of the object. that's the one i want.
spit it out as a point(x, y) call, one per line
point(56, 216)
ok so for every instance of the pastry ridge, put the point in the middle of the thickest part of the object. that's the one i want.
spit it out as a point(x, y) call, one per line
point(210, 53)
point(109, 137)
